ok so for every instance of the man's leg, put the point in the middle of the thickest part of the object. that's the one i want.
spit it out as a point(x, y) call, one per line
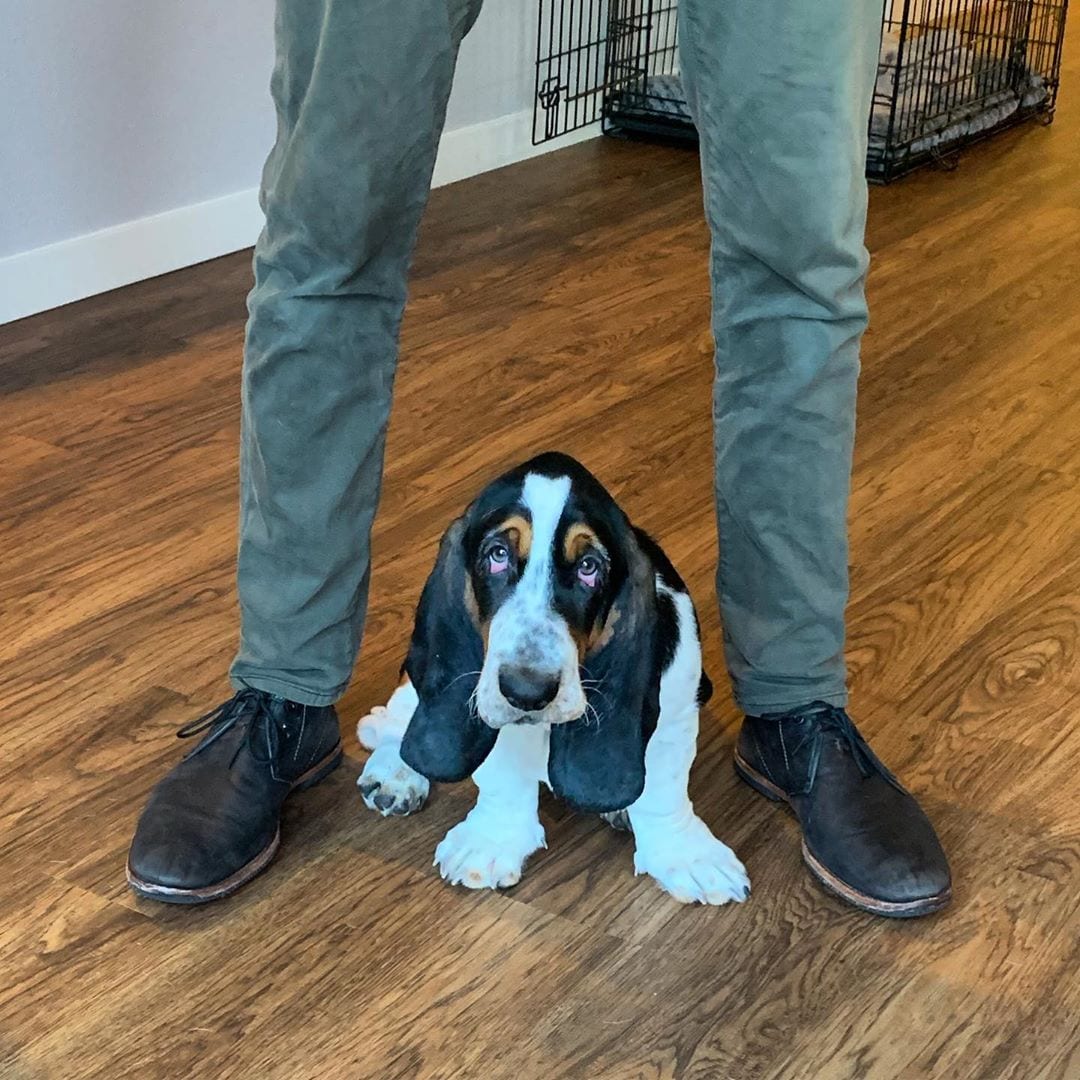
point(361, 91)
point(781, 94)
point(360, 88)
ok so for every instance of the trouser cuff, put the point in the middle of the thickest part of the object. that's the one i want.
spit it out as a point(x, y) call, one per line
point(272, 684)
point(759, 701)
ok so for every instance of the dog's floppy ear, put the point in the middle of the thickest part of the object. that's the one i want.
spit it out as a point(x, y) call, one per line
point(446, 740)
point(597, 763)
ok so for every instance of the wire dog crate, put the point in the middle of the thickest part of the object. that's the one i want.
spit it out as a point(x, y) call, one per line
point(950, 72)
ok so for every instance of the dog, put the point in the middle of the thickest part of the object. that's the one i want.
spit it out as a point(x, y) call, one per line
point(554, 643)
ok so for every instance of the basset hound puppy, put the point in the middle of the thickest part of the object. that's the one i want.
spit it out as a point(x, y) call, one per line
point(554, 643)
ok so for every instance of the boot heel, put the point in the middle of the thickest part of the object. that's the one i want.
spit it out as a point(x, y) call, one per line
point(757, 781)
point(321, 771)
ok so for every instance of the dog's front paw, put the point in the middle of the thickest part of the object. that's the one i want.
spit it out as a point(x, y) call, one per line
point(483, 854)
point(689, 863)
point(389, 786)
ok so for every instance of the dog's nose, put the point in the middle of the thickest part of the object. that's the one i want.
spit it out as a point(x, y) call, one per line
point(527, 689)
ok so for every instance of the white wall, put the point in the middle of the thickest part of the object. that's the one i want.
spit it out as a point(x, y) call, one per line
point(132, 133)
point(117, 109)
point(497, 65)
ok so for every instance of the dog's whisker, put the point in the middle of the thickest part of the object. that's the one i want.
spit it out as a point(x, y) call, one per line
point(596, 690)
point(458, 678)
point(592, 680)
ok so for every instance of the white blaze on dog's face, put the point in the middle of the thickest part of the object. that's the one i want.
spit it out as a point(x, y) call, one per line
point(538, 579)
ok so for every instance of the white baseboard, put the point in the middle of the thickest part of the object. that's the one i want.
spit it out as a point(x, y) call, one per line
point(479, 148)
point(46, 277)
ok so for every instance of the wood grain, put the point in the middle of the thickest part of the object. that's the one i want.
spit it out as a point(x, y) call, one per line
point(551, 302)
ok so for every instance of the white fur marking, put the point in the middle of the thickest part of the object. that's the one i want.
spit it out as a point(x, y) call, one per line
point(672, 844)
point(387, 723)
point(545, 499)
point(489, 848)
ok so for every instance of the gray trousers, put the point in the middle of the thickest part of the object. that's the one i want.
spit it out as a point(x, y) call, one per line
point(780, 90)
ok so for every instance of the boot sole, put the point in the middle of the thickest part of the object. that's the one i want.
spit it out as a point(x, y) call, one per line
point(168, 894)
point(890, 909)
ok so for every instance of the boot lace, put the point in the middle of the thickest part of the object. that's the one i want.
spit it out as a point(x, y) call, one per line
point(250, 709)
point(834, 719)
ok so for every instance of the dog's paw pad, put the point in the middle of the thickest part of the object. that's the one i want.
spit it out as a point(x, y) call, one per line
point(692, 866)
point(389, 787)
point(480, 855)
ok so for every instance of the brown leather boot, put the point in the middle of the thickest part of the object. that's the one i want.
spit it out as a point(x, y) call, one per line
point(865, 838)
point(213, 822)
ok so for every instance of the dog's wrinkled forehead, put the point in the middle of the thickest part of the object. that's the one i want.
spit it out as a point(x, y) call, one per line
point(550, 508)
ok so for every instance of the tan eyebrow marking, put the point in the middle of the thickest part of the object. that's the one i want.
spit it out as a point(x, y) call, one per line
point(519, 532)
point(579, 538)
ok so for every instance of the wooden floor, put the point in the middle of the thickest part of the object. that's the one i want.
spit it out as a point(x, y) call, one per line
point(560, 300)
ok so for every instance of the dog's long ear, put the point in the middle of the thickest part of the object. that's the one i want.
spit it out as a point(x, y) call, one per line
point(597, 763)
point(446, 740)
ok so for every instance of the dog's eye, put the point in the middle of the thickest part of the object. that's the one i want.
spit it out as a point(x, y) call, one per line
point(498, 559)
point(588, 571)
